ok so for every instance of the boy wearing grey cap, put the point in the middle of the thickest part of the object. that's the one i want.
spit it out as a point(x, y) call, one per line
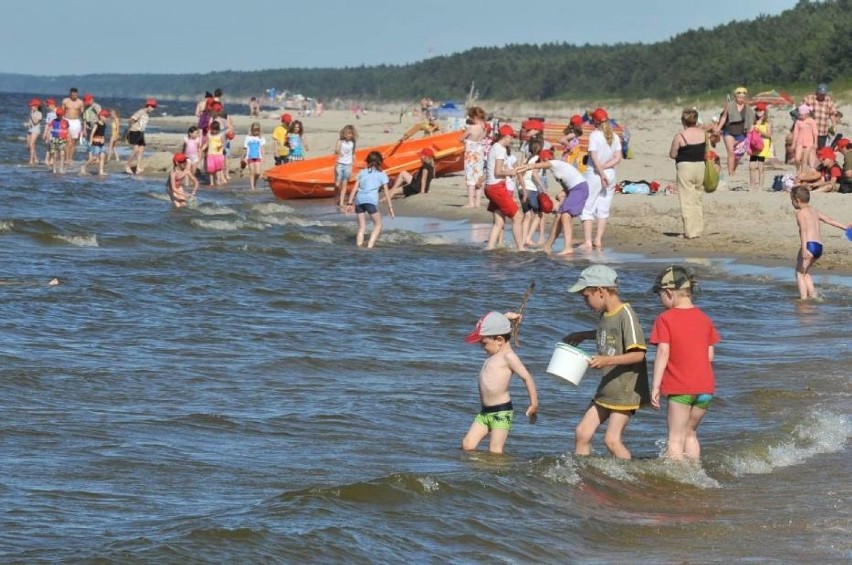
point(493, 332)
point(621, 354)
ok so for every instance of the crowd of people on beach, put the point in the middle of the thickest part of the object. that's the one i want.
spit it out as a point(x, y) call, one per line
point(515, 183)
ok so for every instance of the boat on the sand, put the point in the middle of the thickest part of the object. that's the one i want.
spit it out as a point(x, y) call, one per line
point(314, 178)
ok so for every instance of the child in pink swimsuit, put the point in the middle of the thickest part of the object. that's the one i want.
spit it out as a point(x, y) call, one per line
point(805, 139)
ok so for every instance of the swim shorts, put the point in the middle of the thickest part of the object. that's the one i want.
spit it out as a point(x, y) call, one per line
point(57, 145)
point(342, 172)
point(75, 128)
point(497, 417)
point(575, 201)
point(814, 248)
point(697, 400)
point(531, 205)
point(366, 208)
point(215, 162)
point(136, 138)
point(500, 199)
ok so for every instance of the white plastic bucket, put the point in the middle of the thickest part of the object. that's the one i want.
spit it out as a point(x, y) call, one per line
point(568, 363)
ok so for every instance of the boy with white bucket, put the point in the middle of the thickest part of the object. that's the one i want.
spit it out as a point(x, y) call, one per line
point(620, 353)
point(493, 333)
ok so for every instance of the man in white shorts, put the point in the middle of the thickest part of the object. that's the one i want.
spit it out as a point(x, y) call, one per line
point(73, 107)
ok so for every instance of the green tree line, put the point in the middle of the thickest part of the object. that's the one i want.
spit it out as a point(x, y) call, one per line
point(809, 43)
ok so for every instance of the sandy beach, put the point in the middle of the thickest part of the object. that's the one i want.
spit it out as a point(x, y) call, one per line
point(755, 227)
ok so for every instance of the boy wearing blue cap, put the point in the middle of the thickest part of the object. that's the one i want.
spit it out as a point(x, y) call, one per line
point(493, 332)
point(621, 354)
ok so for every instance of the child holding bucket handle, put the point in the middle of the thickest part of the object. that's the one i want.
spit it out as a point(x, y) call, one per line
point(494, 332)
point(621, 354)
point(683, 371)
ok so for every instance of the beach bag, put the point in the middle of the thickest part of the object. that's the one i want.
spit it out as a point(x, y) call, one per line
point(545, 203)
point(711, 175)
point(778, 183)
point(755, 142)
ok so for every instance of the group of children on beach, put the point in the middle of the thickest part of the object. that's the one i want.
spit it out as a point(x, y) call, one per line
point(48, 123)
point(685, 338)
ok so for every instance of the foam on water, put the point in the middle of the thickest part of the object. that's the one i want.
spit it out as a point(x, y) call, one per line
point(821, 432)
point(7, 225)
point(79, 240)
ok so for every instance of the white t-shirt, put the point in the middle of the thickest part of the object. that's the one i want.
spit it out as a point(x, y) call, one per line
point(603, 151)
point(346, 152)
point(567, 175)
point(509, 163)
point(528, 176)
point(497, 153)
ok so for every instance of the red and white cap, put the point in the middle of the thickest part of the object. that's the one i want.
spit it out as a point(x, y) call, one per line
point(491, 324)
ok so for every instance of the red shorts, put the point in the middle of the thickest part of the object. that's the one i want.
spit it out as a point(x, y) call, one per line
point(501, 199)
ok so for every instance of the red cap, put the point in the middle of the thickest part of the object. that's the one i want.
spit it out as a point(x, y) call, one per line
point(826, 153)
point(35, 102)
point(545, 154)
point(505, 130)
point(760, 106)
point(50, 102)
point(576, 120)
point(103, 113)
point(600, 115)
point(286, 118)
point(60, 112)
point(151, 102)
point(88, 98)
point(842, 143)
point(230, 134)
point(427, 152)
point(179, 158)
point(533, 124)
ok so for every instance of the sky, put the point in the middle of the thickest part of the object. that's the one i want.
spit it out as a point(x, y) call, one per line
point(53, 37)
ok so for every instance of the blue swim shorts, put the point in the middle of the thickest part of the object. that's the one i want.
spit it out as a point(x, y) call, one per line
point(814, 248)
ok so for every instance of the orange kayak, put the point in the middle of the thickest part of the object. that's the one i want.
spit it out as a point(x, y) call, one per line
point(314, 178)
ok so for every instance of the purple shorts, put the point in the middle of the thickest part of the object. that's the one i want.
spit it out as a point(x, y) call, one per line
point(576, 199)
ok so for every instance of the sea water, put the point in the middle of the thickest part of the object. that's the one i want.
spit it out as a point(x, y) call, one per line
point(236, 382)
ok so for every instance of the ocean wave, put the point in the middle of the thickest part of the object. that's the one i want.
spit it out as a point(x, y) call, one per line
point(215, 210)
point(271, 208)
point(228, 225)
point(6, 225)
point(821, 433)
point(79, 240)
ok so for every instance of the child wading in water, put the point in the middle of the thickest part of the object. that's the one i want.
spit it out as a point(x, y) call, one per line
point(365, 195)
point(621, 354)
point(345, 151)
point(114, 135)
point(253, 153)
point(493, 333)
point(214, 146)
point(683, 370)
point(192, 148)
point(97, 140)
point(808, 218)
point(58, 131)
point(179, 175)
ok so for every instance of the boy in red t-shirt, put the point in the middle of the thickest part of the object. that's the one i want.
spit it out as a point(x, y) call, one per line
point(826, 177)
point(684, 336)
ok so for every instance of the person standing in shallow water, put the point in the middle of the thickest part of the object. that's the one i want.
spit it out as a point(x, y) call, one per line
point(73, 108)
point(136, 137)
point(688, 149)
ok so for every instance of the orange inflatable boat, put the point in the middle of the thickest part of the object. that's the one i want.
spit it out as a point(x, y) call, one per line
point(314, 178)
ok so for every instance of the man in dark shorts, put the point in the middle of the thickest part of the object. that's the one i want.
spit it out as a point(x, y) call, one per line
point(136, 136)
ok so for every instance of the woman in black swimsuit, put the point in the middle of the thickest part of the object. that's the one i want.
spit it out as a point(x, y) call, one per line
point(688, 148)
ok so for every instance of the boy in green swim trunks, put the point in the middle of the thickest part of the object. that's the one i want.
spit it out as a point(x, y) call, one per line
point(493, 333)
point(683, 371)
point(621, 355)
